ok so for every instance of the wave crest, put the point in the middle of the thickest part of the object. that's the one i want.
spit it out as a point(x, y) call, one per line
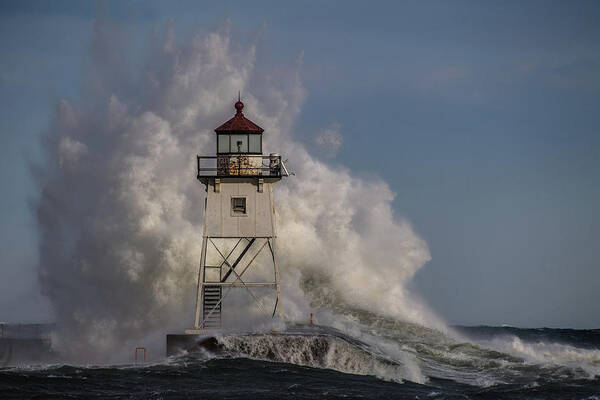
point(318, 351)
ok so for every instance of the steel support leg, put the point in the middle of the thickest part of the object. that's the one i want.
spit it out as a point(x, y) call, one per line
point(276, 270)
point(199, 299)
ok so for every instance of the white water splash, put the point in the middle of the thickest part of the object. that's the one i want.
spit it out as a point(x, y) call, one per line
point(120, 212)
point(549, 353)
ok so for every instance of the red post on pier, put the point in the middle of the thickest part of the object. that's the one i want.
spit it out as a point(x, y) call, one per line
point(137, 349)
point(311, 319)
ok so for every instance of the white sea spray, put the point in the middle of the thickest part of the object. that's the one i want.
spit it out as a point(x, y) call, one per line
point(120, 212)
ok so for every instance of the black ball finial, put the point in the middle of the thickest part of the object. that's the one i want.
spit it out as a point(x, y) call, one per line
point(239, 106)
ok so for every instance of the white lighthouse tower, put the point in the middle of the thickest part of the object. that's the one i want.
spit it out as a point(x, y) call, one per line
point(239, 221)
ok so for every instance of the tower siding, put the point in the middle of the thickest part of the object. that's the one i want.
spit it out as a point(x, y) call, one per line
point(221, 221)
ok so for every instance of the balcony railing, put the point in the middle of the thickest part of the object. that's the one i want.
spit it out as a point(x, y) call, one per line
point(249, 165)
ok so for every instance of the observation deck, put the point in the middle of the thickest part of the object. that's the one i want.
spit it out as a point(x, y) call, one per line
point(240, 166)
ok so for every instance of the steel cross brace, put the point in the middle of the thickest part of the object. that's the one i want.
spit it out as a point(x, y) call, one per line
point(231, 269)
point(238, 276)
point(230, 253)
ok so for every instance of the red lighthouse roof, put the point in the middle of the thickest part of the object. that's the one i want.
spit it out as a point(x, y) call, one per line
point(239, 123)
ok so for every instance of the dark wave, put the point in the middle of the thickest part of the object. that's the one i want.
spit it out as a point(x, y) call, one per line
point(385, 359)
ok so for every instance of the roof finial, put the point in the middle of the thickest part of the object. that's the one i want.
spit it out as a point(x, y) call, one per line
point(239, 105)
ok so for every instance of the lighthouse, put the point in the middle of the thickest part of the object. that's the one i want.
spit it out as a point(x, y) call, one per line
point(239, 222)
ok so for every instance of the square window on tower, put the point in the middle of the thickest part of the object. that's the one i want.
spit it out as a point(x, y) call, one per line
point(238, 205)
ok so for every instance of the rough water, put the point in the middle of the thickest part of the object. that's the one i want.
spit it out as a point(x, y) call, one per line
point(381, 359)
point(120, 232)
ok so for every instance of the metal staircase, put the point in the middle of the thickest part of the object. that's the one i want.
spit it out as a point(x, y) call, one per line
point(212, 307)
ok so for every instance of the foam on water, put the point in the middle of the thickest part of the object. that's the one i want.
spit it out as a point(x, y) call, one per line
point(455, 356)
point(578, 359)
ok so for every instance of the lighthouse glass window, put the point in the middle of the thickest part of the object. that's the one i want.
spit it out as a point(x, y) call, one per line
point(255, 143)
point(239, 143)
point(223, 144)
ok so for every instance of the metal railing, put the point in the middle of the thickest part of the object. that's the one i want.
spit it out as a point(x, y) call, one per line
point(249, 165)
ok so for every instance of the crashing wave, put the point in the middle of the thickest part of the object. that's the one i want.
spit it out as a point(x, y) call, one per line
point(315, 348)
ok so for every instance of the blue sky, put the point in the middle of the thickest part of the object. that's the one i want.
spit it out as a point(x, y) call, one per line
point(481, 116)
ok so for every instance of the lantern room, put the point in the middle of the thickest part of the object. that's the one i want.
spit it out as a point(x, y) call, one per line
point(239, 135)
point(240, 152)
